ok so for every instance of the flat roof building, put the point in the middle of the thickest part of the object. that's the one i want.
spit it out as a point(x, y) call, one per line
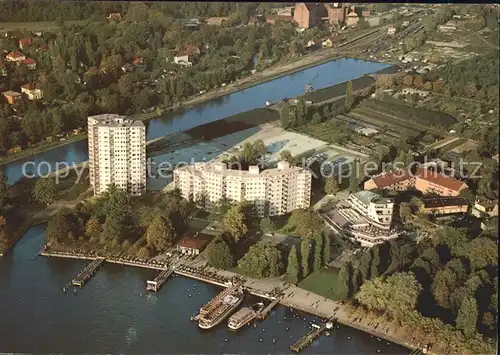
point(272, 191)
point(444, 205)
point(117, 153)
point(366, 218)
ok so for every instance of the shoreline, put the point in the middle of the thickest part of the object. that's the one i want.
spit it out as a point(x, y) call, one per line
point(286, 301)
point(44, 148)
point(321, 56)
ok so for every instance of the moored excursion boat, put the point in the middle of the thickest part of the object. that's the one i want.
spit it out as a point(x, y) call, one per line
point(226, 306)
point(240, 318)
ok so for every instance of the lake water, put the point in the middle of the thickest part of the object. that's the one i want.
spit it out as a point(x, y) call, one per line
point(320, 76)
point(113, 314)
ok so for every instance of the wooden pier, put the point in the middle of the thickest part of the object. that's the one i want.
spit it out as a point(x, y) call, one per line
point(307, 339)
point(159, 280)
point(87, 272)
point(263, 314)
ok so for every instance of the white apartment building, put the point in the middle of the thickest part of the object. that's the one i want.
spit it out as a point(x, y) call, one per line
point(117, 153)
point(365, 218)
point(272, 191)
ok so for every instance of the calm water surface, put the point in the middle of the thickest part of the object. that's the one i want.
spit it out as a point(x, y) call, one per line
point(112, 314)
point(320, 76)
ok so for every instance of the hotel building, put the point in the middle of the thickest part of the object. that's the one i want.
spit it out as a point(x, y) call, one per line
point(272, 191)
point(117, 153)
point(366, 217)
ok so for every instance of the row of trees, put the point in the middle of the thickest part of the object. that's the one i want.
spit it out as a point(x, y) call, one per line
point(313, 255)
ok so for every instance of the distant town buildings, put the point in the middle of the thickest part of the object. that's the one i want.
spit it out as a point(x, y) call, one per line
point(308, 15)
point(117, 153)
point(272, 191)
point(12, 97)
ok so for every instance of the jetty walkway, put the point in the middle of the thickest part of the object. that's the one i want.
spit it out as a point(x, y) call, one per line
point(159, 280)
point(87, 272)
point(315, 333)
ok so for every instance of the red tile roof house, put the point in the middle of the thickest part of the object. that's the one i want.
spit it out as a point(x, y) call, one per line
point(429, 181)
point(15, 56)
point(30, 63)
point(398, 180)
point(24, 42)
point(193, 245)
point(191, 50)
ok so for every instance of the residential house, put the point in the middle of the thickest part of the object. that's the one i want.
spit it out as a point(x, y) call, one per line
point(29, 62)
point(336, 13)
point(115, 16)
point(183, 59)
point(310, 44)
point(138, 62)
point(444, 205)
point(190, 22)
point(12, 97)
point(3, 69)
point(352, 19)
point(429, 181)
point(397, 180)
point(193, 245)
point(495, 157)
point(330, 41)
point(308, 15)
point(215, 21)
point(24, 43)
point(33, 91)
point(485, 208)
point(15, 57)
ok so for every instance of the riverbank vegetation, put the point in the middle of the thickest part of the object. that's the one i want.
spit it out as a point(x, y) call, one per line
point(118, 225)
point(444, 289)
point(127, 67)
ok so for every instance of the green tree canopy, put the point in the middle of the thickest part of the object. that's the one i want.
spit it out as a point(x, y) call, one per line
point(396, 295)
point(160, 234)
point(45, 190)
point(261, 260)
point(292, 269)
point(219, 254)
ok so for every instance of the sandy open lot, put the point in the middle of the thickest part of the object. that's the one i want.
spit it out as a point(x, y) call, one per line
point(276, 140)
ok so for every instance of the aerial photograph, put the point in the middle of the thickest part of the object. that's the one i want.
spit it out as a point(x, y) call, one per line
point(249, 178)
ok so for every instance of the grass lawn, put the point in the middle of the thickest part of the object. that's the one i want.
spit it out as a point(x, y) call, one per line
point(323, 282)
